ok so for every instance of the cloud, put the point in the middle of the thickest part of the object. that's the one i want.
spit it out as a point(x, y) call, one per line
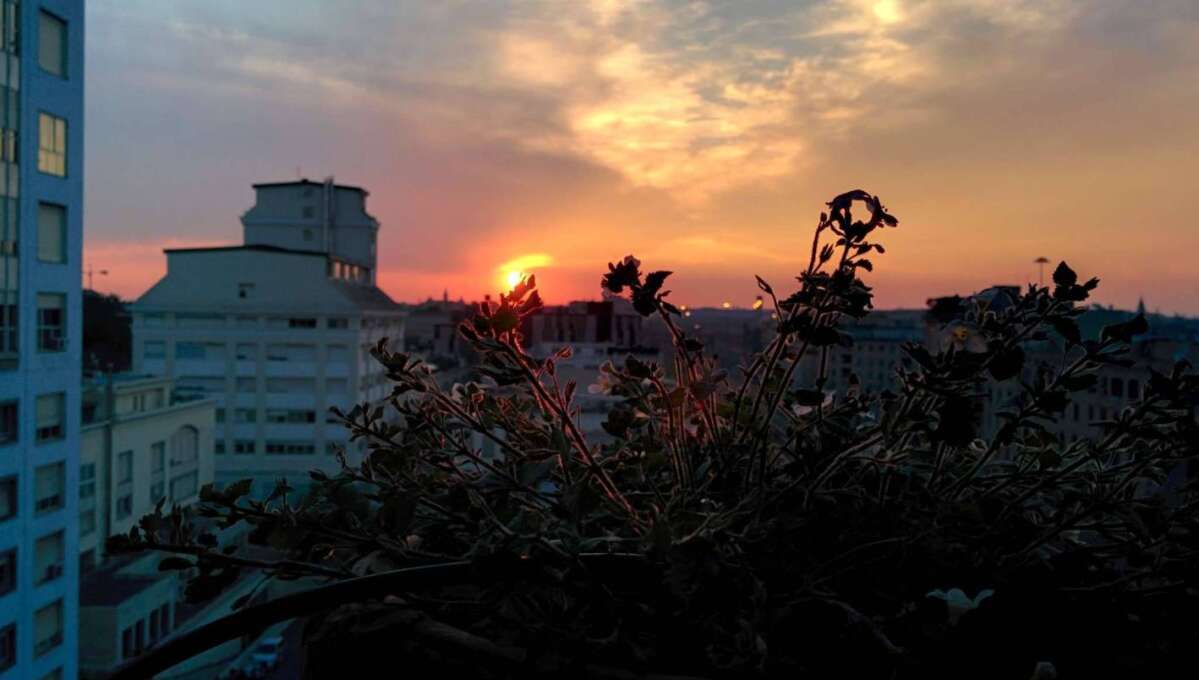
point(700, 134)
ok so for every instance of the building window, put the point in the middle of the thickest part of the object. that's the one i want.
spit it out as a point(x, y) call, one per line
point(247, 351)
point(219, 447)
point(51, 322)
point(184, 487)
point(8, 571)
point(124, 467)
point(154, 349)
point(1134, 389)
point(293, 416)
point(245, 290)
point(158, 456)
point(301, 323)
point(49, 417)
point(87, 480)
point(52, 145)
point(154, 630)
point(189, 350)
point(8, 644)
point(124, 506)
point(87, 522)
point(8, 313)
point(243, 446)
point(47, 628)
point(290, 448)
point(127, 649)
point(245, 415)
point(219, 416)
point(185, 445)
point(8, 498)
point(47, 557)
point(338, 323)
point(52, 44)
point(307, 212)
point(87, 560)
point(157, 491)
point(1116, 386)
point(51, 233)
point(9, 428)
point(48, 484)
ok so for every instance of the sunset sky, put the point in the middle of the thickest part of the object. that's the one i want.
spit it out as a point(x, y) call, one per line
point(701, 136)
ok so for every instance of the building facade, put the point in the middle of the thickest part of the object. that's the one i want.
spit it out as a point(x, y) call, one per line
point(41, 204)
point(139, 445)
point(277, 330)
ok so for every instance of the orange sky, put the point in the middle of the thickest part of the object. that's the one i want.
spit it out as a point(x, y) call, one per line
point(701, 137)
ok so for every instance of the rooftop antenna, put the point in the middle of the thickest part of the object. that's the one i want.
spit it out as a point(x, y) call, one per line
point(1041, 262)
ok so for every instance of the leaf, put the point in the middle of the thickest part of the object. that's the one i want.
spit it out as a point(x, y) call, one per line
point(764, 286)
point(1068, 329)
point(654, 281)
point(238, 489)
point(808, 397)
point(1126, 331)
point(1007, 364)
point(174, 564)
point(1064, 275)
point(504, 320)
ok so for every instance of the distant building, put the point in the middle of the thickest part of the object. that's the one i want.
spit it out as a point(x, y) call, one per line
point(431, 331)
point(278, 330)
point(730, 335)
point(873, 357)
point(1169, 340)
point(41, 236)
point(596, 332)
point(139, 445)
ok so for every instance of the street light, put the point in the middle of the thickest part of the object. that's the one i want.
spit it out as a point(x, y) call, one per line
point(1041, 262)
point(90, 272)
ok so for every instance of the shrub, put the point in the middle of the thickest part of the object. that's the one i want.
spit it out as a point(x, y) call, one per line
point(748, 526)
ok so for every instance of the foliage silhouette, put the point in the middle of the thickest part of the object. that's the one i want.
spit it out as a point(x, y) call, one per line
point(763, 528)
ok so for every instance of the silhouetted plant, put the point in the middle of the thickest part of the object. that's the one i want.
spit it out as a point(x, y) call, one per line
point(749, 526)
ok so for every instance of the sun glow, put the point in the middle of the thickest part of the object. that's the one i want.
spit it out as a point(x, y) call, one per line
point(514, 270)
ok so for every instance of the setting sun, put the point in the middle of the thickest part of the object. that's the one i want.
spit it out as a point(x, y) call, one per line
point(512, 271)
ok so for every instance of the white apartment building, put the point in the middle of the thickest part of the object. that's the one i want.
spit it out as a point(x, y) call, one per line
point(277, 330)
point(138, 445)
point(41, 233)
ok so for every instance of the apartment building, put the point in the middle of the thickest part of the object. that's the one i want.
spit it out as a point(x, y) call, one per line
point(41, 203)
point(277, 330)
point(140, 444)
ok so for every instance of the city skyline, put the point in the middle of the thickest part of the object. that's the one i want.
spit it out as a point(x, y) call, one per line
point(695, 137)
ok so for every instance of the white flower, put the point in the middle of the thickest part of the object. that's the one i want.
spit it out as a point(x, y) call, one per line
point(959, 603)
point(602, 384)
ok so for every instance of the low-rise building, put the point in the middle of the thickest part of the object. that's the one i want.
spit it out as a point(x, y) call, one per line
point(140, 445)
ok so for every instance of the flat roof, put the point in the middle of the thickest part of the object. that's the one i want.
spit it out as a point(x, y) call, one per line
point(260, 247)
point(109, 588)
point(306, 182)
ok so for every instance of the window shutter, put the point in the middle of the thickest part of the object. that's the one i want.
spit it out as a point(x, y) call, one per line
point(51, 227)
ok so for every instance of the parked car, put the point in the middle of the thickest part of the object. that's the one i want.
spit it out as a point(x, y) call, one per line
point(267, 652)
